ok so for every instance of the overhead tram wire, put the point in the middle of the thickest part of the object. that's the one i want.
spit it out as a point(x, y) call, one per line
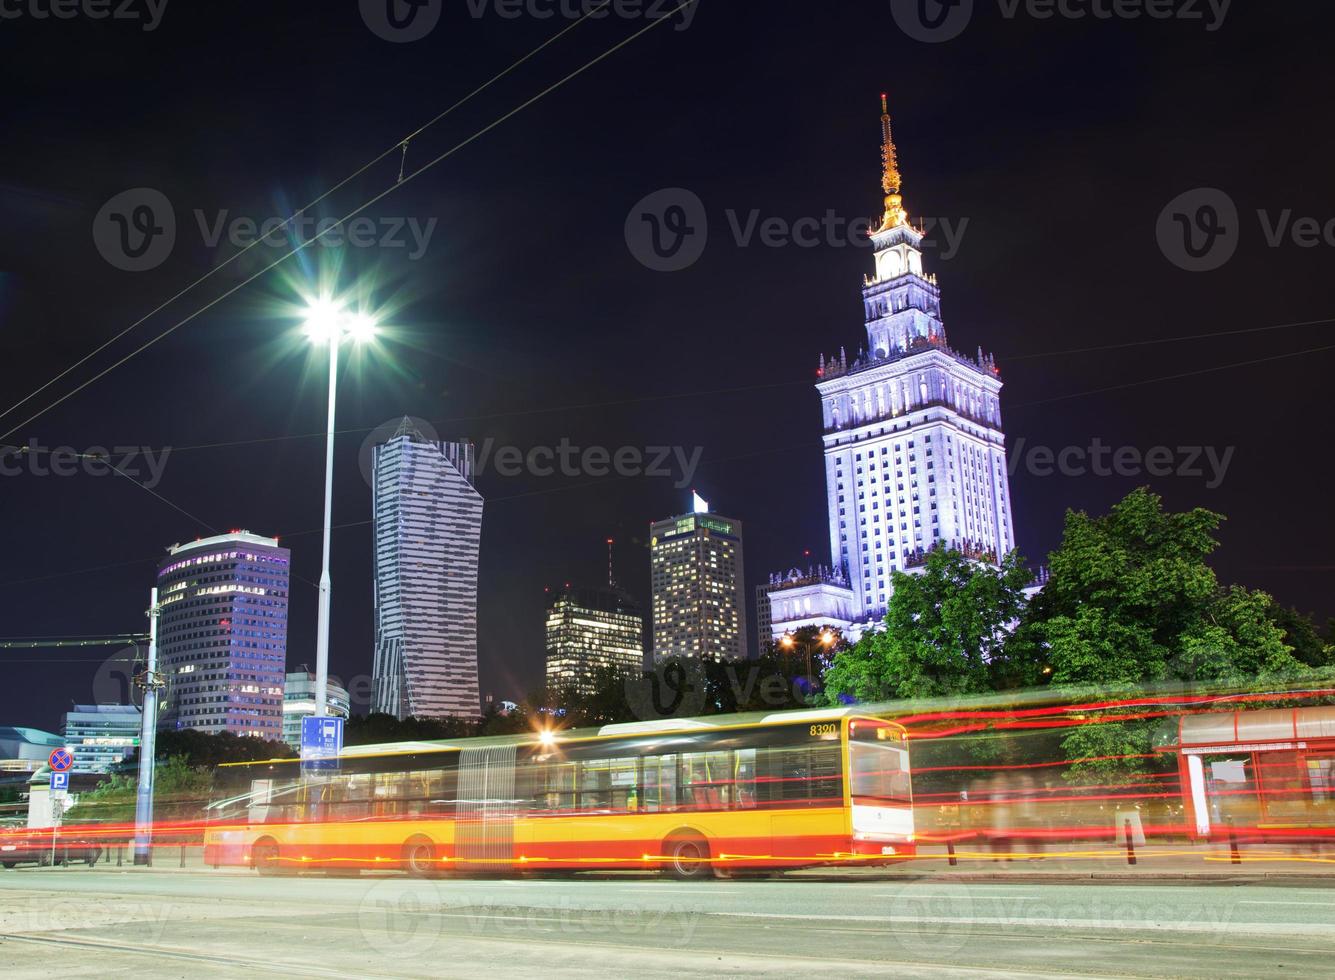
point(52, 643)
point(669, 396)
point(401, 144)
point(610, 481)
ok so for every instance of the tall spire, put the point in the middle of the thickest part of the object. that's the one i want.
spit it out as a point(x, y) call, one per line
point(895, 214)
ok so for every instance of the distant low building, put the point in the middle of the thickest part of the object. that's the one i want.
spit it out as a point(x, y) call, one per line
point(26, 749)
point(299, 703)
point(102, 736)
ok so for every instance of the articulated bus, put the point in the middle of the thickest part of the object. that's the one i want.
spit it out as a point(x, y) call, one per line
point(690, 797)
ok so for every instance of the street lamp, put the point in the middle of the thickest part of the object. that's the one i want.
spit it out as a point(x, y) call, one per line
point(827, 639)
point(328, 323)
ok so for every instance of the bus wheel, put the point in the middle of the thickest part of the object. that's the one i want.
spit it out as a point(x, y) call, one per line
point(264, 857)
point(419, 858)
point(688, 857)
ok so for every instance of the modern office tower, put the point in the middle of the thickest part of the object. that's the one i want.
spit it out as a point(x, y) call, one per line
point(589, 629)
point(101, 736)
point(699, 596)
point(222, 634)
point(428, 530)
point(914, 451)
point(299, 703)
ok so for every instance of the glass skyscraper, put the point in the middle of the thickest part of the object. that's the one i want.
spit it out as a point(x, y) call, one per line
point(428, 531)
point(222, 634)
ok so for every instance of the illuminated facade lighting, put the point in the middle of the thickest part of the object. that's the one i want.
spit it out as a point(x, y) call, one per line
point(222, 637)
point(698, 587)
point(428, 531)
point(589, 630)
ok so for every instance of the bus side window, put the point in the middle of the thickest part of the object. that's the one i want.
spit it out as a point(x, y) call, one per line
point(660, 784)
point(744, 779)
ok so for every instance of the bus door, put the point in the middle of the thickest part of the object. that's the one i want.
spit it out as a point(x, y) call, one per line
point(484, 823)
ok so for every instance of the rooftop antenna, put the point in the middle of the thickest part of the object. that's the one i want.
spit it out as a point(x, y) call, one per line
point(611, 579)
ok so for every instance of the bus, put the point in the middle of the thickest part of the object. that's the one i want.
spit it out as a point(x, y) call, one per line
point(722, 796)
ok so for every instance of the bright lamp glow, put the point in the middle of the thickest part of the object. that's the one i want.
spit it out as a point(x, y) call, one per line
point(547, 737)
point(323, 321)
point(361, 327)
point(326, 320)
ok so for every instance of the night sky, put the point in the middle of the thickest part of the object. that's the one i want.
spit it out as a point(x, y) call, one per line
point(1055, 143)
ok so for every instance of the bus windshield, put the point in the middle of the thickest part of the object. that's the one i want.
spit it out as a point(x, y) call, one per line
point(878, 765)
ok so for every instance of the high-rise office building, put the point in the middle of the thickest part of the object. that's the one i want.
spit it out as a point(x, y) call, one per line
point(592, 629)
point(428, 532)
point(102, 736)
point(222, 634)
point(915, 457)
point(699, 595)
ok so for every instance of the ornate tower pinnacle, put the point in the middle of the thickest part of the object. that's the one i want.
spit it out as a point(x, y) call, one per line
point(891, 181)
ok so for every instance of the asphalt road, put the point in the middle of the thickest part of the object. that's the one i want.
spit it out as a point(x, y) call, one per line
point(106, 923)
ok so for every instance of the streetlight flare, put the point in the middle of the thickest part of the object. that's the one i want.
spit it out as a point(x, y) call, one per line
point(323, 321)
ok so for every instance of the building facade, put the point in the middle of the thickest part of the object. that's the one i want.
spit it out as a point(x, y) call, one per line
point(222, 634)
point(589, 630)
point(427, 517)
point(299, 703)
point(26, 749)
point(915, 456)
point(699, 591)
point(102, 736)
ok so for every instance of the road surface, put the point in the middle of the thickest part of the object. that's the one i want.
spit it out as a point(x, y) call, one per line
point(76, 922)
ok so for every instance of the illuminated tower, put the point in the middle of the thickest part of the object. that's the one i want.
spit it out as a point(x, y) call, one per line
point(914, 451)
point(699, 605)
point(222, 634)
point(428, 531)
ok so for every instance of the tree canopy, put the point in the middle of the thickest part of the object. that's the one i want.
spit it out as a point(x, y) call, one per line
point(945, 634)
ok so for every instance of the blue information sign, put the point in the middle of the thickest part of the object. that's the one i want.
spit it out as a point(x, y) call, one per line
point(321, 741)
point(60, 781)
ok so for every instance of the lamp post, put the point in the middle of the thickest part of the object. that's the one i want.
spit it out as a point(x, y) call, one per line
point(827, 640)
point(328, 323)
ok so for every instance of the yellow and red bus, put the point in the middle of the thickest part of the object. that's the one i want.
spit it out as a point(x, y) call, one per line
point(689, 797)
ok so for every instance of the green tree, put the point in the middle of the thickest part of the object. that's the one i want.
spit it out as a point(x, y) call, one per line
point(377, 729)
point(1302, 635)
point(180, 791)
point(946, 632)
point(1131, 601)
point(211, 750)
